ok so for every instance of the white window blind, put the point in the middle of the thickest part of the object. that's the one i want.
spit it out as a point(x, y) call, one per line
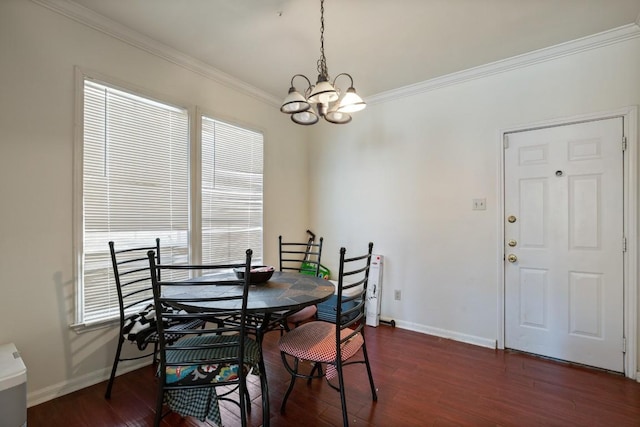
point(135, 187)
point(232, 162)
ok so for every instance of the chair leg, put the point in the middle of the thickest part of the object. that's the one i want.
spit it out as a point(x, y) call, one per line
point(247, 399)
point(107, 395)
point(159, 402)
point(343, 399)
point(264, 388)
point(294, 373)
point(317, 366)
point(243, 400)
point(374, 394)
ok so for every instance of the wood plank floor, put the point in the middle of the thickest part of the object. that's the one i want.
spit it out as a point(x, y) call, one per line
point(422, 381)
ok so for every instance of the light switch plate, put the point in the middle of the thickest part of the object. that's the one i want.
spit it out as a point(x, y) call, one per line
point(479, 204)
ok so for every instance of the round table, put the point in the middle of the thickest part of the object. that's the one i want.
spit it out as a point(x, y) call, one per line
point(285, 291)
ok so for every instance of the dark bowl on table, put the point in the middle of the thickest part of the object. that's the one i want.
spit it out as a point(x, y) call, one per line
point(257, 275)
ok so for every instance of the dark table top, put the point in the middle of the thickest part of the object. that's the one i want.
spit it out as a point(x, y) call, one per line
point(284, 291)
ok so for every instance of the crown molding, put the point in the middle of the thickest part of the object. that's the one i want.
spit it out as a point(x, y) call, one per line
point(107, 26)
point(100, 23)
point(595, 41)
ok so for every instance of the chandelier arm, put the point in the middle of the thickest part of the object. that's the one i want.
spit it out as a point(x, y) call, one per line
point(343, 74)
point(303, 76)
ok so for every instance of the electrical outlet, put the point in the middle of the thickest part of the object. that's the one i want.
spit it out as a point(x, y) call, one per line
point(479, 204)
point(397, 295)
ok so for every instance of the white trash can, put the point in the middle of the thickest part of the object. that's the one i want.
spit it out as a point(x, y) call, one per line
point(13, 387)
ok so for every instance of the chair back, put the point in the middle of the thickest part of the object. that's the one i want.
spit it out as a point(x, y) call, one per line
point(181, 296)
point(133, 277)
point(301, 257)
point(353, 278)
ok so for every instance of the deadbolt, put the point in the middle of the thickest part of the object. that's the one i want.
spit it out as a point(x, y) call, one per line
point(511, 219)
point(512, 243)
point(512, 258)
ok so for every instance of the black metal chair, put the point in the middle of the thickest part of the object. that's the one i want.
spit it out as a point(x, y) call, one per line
point(333, 344)
point(219, 356)
point(302, 258)
point(135, 299)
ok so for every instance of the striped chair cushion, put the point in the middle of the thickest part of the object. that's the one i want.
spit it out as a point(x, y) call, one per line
point(316, 342)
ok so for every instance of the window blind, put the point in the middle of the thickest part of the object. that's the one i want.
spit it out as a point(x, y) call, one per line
point(135, 187)
point(232, 187)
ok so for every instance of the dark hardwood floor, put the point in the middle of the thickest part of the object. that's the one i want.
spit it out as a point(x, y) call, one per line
point(422, 381)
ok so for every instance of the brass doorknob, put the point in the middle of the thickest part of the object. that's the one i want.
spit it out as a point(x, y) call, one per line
point(512, 243)
point(511, 219)
point(512, 258)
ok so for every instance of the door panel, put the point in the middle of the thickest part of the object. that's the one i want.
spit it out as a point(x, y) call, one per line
point(564, 288)
point(585, 304)
point(533, 297)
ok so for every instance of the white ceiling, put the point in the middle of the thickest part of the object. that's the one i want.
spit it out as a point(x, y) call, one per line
point(383, 44)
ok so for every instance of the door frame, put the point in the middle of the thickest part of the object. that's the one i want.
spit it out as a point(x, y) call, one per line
point(630, 221)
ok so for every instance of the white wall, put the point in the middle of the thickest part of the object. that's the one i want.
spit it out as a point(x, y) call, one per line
point(38, 52)
point(403, 174)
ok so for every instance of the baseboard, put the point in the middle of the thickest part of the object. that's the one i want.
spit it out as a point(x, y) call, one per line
point(443, 333)
point(77, 383)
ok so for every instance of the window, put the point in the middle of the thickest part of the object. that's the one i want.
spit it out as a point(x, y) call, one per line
point(135, 186)
point(231, 192)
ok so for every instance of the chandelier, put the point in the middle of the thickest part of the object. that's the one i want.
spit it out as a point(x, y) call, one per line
point(323, 99)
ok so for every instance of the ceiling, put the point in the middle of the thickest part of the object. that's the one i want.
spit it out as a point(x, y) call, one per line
point(383, 44)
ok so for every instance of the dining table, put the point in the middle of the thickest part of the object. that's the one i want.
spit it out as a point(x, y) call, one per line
point(268, 303)
point(283, 294)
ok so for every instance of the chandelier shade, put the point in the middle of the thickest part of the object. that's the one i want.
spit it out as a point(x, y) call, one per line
point(308, 117)
point(323, 92)
point(323, 99)
point(351, 102)
point(337, 117)
point(294, 102)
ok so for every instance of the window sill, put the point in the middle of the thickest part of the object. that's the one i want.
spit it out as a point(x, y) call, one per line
point(81, 328)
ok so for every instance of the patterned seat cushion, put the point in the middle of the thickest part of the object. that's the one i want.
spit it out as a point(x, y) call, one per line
point(141, 327)
point(208, 373)
point(316, 342)
point(202, 402)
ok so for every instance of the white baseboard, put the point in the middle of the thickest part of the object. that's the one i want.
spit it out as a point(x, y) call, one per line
point(77, 383)
point(443, 333)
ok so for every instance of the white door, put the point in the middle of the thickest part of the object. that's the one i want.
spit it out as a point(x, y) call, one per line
point(564, 242)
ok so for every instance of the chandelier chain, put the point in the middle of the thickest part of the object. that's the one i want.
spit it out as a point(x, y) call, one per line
point(322, 62)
